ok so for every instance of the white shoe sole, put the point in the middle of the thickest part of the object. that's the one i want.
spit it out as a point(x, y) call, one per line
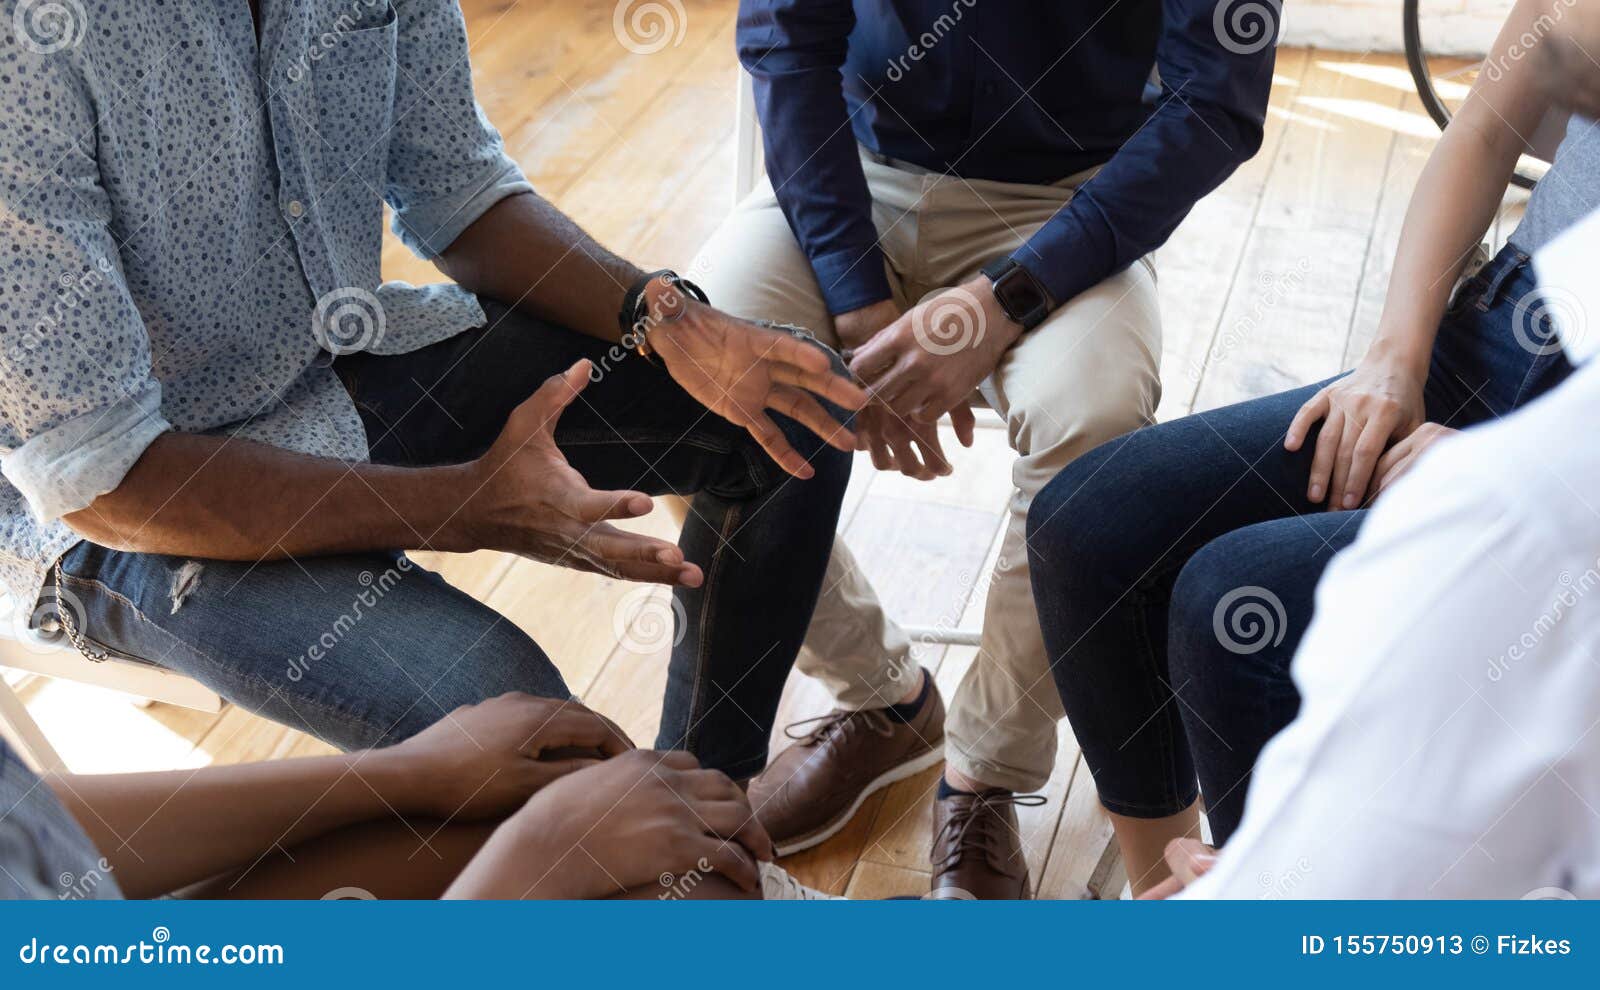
point(893, 775)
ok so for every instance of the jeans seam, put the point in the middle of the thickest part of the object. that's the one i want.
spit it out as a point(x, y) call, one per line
point(691, 731)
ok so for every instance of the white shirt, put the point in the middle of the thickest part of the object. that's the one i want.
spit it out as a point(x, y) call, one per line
point(1448, 742)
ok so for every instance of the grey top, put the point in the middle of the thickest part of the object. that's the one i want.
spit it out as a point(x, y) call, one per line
point(1568, 192)
point(44, 854)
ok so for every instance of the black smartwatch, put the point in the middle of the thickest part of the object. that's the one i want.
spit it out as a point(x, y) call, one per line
point(633, 301)
point(1019, 293)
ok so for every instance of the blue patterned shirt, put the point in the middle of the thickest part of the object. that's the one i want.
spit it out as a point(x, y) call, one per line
point(44, 852)
point(191, 223)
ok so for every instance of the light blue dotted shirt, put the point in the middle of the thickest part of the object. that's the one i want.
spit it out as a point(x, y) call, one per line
point(191, 222)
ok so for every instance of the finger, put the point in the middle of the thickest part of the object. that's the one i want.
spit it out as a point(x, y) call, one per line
point(675, 759)
point(964, 423)
point(1322, 461)
point(1189, 859)
point(808, 412)
point(576, 726)
point(830, 385)
point(933, 454)
point(1162, 890)
point(732, 861)
point(542, 772)
point(712, 785)
point(905, 455)
point(558, 392)
point(1348, 436)
point(1394, 472)
point(636, 557)
point(883, 455)
point(593, 506)
point(734, 820)
point(1368, 448)
point(777, 446)
point(1314, 409)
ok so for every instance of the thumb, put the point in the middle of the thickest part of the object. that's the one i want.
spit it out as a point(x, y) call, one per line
point(558, 392)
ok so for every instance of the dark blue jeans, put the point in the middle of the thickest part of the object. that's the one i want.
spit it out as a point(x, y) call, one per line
point(1174, 567)
point(365, 649)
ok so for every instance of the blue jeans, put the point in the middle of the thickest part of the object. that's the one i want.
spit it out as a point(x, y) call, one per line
point(365, 649)
point(1174, 568)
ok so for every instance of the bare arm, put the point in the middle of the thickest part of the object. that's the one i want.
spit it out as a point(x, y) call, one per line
point(525, 252)
point(1380, 403)
point(163, 831)
point(225, 499)
point(228, 499)
point(1459, 190)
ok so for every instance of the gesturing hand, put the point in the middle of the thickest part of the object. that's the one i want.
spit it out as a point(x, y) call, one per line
point(930, 361)
point(485, 760)
point(1363, 412)
point(740, 370)
point(526, 499)
point(619, 825)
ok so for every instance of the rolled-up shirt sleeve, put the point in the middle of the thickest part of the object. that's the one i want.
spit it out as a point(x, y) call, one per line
point(447, 164)
point(79, 403)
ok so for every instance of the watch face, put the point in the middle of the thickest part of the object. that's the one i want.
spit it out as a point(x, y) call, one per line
point(1018, 294)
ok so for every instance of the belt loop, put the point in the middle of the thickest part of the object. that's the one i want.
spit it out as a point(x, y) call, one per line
point(1491, 292)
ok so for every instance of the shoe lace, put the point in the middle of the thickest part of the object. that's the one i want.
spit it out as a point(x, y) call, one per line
point(824, 727)
point(974, 826)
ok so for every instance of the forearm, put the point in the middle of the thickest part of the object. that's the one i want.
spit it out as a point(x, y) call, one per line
point(163, 831)
point(1457, 195)
point(525, 252)
point(228, 499)
point(516, 864)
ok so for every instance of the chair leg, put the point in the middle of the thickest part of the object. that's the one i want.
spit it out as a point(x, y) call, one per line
point(36, 749)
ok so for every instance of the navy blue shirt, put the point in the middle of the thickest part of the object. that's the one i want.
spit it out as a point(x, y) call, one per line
point(1010, 90)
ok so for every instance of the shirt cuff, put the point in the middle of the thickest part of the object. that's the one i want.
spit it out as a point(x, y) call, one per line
point(429, 228)
point(1074, 251)
point(67, 467)
point(851, 279)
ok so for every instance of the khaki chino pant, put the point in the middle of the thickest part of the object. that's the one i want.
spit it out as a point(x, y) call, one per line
point(1086, 375)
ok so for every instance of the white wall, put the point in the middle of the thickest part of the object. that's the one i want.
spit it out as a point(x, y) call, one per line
point(1449, 27)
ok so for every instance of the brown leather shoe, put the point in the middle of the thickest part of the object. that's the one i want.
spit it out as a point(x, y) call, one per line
point(811, 789)
point(977, 847)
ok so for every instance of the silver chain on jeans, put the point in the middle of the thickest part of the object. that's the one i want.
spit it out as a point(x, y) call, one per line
point(64, 616)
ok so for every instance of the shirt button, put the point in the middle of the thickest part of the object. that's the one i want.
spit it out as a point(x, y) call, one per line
point(297, 209)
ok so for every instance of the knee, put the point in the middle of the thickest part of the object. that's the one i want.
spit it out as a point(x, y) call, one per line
point(499, 661)
point(1073, 520)
point(1224, 607)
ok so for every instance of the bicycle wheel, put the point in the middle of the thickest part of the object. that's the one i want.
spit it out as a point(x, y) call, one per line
point(1417, 62)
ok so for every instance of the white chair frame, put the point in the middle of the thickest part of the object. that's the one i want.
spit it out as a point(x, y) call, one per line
point(25, 651)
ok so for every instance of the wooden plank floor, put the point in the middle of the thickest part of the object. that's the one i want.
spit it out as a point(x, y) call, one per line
point(1274, 281)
